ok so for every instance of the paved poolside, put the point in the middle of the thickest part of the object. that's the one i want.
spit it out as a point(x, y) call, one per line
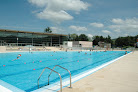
point(120, 76)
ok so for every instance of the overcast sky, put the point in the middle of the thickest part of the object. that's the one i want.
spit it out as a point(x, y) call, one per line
point(92, 17)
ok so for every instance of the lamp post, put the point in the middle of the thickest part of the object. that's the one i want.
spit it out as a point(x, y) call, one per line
point(17, 41)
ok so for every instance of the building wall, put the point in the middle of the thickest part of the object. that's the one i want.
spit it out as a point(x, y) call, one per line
point(104, 45)
point(2, 48)
point(86, 44)
point(70, 44)
point(76, 44)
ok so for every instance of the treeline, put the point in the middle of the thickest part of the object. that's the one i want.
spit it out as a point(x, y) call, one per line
point(97, 39)
point(129, 41)
point(75, 37)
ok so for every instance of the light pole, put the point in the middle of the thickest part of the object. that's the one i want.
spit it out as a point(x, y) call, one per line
point(17, 41)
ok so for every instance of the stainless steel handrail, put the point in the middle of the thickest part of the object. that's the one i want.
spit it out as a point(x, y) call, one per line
point(62, 68)
point(48, 80)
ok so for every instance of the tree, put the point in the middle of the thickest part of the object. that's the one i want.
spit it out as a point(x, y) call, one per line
point(102, 39)
point(48, 30)
point(128, 41)
point(108, 40)
point(83, 37)
point(74, 37)
point(69, 37)
point(96, 39)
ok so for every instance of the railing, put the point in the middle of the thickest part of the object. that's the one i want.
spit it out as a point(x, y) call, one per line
point(52, 70)
point(62, 68)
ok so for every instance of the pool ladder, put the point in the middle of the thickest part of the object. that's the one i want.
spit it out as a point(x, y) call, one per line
point(52, 70)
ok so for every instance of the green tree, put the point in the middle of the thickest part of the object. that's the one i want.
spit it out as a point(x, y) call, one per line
point(73, 37)
point(128, 41)
point(96, 39)
point(69, 37)
point(48, 30)
point(83, 37)
point(102, 38)
point(108, 40)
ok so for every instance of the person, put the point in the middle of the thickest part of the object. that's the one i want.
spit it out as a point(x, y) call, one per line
point(19, 55)
point(125, 52)
point(15, 59)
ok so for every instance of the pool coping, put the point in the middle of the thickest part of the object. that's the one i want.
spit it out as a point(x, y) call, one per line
point(55, 86)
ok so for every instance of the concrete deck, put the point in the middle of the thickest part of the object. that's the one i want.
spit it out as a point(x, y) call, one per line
point(120, 76)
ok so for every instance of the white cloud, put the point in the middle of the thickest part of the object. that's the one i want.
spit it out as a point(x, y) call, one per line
point(117, 21)
point(78, 28)
point(97, 24)
point(127, 25)
point(106, 31)
point(90, 35)
point(56, 30)
point(117, 30)
point(39, 3)
point(126, 34)
point(56, 10)
point(55, 16)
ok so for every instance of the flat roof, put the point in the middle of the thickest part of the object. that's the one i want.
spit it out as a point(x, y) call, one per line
point(39, 33)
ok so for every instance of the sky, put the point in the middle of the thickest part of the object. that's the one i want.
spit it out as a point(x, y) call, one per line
point(91, 17)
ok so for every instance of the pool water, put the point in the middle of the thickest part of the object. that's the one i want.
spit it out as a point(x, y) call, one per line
point(24, 72)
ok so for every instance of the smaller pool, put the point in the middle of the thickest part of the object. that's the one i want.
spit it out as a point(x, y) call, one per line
point(24, 72)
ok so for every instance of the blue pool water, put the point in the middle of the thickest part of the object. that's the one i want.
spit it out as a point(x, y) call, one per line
point(24, 72)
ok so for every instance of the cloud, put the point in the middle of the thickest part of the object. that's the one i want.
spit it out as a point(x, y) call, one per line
point(78, 28)
point(127, 25)
point(56, 10)
point(126, 34)
point(97, 24)
point(56, 30)
point(19, 27)
point(117, 21)
point(90, 35)
point(55, 16)
point(106, 31)
point(117, 30)
point(39, 3)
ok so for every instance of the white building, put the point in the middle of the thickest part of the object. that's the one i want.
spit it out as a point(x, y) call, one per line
point(78, 43)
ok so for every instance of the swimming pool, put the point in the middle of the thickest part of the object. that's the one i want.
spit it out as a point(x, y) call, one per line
point(24, 72)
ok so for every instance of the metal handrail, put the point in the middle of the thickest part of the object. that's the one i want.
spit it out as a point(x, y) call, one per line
point(62, 68)
point(53, 71)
